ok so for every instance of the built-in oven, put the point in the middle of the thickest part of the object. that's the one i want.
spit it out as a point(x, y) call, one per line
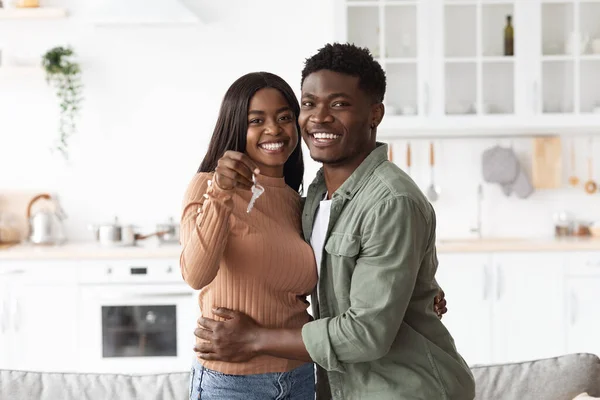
point(136, 318)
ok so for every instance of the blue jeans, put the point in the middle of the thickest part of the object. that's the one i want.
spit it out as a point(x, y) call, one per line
point(298, 384)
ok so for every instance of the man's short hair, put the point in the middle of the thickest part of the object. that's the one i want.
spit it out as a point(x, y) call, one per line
point(351, 60)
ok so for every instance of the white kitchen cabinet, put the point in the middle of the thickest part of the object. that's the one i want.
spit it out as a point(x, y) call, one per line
point(583, 327)
point(466, 280)
point(47, 327)
point(38, 315)
point(528, 306)
point(504, 307)
point(447, 72)
point(10, 315)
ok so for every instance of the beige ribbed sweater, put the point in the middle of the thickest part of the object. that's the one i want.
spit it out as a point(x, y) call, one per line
point(257, 262)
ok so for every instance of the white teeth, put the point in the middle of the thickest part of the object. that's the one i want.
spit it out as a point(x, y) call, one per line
point(272, 146)
point(329, 136)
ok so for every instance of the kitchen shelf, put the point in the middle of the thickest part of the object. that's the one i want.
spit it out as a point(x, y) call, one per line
point(400, 60)
point(492, 126)
point(461, 60)
point(33, 13)
point(375, 3)
point(20, 72)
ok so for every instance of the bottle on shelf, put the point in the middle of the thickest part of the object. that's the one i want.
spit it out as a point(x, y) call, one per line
point(509, 38)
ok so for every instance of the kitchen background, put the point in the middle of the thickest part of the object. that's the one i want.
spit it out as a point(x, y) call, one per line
point(151, 99)
point(153, 75)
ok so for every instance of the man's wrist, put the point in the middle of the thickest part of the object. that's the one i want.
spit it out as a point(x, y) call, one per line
point(261, 340)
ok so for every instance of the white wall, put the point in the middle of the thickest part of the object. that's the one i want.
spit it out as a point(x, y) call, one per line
point(151, 99)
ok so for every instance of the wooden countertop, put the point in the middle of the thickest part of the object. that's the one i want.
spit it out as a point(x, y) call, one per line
point(151, 250)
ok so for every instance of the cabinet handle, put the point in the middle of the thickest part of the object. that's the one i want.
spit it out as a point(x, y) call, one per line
point(499, 282)
point(426, 102)
point(486, 281)
point(593, 264)
point(535, 97)
point(17, 316)
point(573, 307)
point(13, 272)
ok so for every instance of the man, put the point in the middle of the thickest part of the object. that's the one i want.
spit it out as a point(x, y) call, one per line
point(375, 332)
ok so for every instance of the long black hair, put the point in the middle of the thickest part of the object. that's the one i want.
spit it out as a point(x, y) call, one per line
point(232, 124)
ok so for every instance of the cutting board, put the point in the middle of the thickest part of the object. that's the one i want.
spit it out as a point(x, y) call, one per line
point(547, 163)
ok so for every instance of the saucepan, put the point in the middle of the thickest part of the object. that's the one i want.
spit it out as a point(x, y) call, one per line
point(168, 232)
point(115, 234)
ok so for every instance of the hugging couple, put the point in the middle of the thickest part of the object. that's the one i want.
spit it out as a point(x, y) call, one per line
point(361, 243)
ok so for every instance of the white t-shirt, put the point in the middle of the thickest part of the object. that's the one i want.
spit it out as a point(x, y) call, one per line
point(317, 239)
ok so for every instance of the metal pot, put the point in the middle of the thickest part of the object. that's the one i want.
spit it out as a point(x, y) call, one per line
point(117, 235)
point(168, 232)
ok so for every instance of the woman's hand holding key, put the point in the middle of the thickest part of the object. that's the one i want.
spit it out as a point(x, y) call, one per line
point(235, 170)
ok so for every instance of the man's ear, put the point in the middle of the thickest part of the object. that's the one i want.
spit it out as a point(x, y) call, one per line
point(377, 113)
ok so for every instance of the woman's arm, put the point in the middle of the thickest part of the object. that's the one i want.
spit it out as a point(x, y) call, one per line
point(204, 230)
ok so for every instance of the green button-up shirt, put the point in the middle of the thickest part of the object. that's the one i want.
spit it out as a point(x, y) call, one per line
point(375, 331)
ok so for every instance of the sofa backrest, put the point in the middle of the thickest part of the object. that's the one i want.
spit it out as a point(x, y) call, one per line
point(558, 378)
point(19, 385)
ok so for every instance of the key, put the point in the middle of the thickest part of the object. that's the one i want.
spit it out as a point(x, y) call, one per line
point(257, 190)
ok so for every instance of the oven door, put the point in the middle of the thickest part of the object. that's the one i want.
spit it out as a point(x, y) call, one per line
point(143, 328)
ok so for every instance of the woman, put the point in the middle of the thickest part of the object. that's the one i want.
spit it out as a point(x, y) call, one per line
point(255, 262)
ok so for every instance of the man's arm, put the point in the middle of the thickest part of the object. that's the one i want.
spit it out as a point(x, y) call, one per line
point(394, 241)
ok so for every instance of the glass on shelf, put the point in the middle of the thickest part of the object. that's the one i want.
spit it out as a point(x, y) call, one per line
point(401, 31)
point(557, 29)
point(558, 87)
point(461, 88)
point(460, 31)
point(493, 23)
point(498, 88)
point(590, 86)
point(589, 38)
point(363, 28)
point(401, 96)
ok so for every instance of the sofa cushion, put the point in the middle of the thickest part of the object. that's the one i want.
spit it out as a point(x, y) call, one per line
point(19, 385)
point(558, 378)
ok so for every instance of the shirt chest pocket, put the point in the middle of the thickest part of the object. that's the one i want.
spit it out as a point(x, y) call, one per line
point(343, 250)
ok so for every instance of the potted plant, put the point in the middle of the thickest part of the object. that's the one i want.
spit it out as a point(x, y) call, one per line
point(64, 74)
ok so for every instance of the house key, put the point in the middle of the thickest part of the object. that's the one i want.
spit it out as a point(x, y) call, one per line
point(257, 190)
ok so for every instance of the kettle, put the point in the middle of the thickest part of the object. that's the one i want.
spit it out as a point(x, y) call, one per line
point(45, 226)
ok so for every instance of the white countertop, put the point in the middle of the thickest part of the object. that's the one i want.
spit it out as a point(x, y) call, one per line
point(85, 250)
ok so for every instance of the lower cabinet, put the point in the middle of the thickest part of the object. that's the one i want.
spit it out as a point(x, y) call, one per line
point(505, 307)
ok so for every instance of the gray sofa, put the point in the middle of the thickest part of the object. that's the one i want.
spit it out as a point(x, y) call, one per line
point(559, 378)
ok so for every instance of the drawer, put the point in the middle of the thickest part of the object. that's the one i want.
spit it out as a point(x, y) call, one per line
point(131, 271)
point(583, 263)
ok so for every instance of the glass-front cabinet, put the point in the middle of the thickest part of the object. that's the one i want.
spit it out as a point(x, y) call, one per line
point(489, 63)
point(393, 32)
point(568, 52)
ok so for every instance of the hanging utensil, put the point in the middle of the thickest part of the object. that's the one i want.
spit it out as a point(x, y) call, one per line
point(573, 179)
point(433, 191)
point(591, 186)
point(390, 153)
point(408, 157)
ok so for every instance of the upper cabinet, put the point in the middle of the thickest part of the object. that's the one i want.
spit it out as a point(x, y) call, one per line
point(485, 65)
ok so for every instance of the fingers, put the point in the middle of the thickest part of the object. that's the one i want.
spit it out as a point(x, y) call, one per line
point(204, 348)
point(244, 159)
point(224, 313)
point(203, 334)
point(207, 323)
point(235, 170)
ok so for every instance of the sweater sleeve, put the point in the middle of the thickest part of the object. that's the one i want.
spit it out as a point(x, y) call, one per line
point(204, 230)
